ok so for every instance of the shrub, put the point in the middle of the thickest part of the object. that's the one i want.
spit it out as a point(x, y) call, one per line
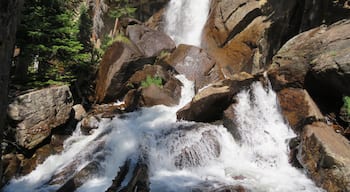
point(152, 81)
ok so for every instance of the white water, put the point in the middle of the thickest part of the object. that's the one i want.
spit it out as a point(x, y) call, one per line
point(213, 158)
point(185, 20)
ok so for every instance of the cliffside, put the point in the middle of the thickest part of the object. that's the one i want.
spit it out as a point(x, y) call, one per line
point(9, 11)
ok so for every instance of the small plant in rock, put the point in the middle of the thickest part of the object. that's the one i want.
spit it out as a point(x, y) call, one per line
point(152, 81)
point(346, 105)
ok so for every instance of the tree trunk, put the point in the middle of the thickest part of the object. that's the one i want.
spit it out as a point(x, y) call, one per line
point(9, 11)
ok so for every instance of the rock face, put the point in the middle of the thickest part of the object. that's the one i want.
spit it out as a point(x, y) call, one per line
point(244, 35)
point(195, 64)
point(36, 113)
point(9, 12)
point(149, 41)
point(326, 157)
point(317, 60)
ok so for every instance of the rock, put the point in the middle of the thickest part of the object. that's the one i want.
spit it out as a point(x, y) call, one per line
point(209, 148)
point(156, 22)
point(149, 41)
point(229, 121)
point(79, 112)
point(209, 104)
point(81, 177)
point(326, 157)
point(316, 60)
point(121, 60)
point(88, 124)
point(40, 155)
point(144, 93)
point(37, 113)
point(57, 142)
point(11, 166)
point(244, 35)
point(139, 180)
point(155, 95)
point(195, 64)
point(117, 181)
point(298, 108)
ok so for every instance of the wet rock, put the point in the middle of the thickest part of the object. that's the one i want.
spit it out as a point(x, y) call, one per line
point(326, 157)
point(229, 121)
point(192, 156)
point(150, 42)
point(36, 113)
point(81, 177)
point(11, 167)
point(218, 187)
point(40, 155)
point(119, 63)
point(195, 64)
point(298, 108)
point(88, 124)
point(117, 181)
point(57, 142)
point(140, 179)
point(208, 105)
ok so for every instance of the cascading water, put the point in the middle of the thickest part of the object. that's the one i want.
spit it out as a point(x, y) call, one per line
point(185, 20)
point(181, 156)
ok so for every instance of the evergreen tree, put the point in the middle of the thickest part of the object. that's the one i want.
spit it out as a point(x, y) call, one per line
point(49, 32)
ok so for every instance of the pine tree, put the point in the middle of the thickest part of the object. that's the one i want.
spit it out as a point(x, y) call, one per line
point(49, 32)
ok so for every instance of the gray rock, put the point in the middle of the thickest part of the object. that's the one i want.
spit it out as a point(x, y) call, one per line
point(36, 113)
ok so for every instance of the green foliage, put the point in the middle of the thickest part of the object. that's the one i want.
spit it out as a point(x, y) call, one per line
point(122, 9)
point(346, 100)
point(152, 81)
point(58, 37)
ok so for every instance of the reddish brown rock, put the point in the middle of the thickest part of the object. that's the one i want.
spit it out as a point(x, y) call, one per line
point(326, 157)
point(120, 61)
point(298, 107)
point(208, 105)
point(244, 35)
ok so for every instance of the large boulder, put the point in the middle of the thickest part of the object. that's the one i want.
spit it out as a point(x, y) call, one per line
point(326, 157)
point(244, 35)
point(317, 60)
point(195, 64)
point(149, 41)
point(298, 107)
point(120, 61)
point(36, 113)
point(208, 105)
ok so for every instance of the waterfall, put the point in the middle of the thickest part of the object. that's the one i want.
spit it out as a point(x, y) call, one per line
point(181, 156)
point(185, 20)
